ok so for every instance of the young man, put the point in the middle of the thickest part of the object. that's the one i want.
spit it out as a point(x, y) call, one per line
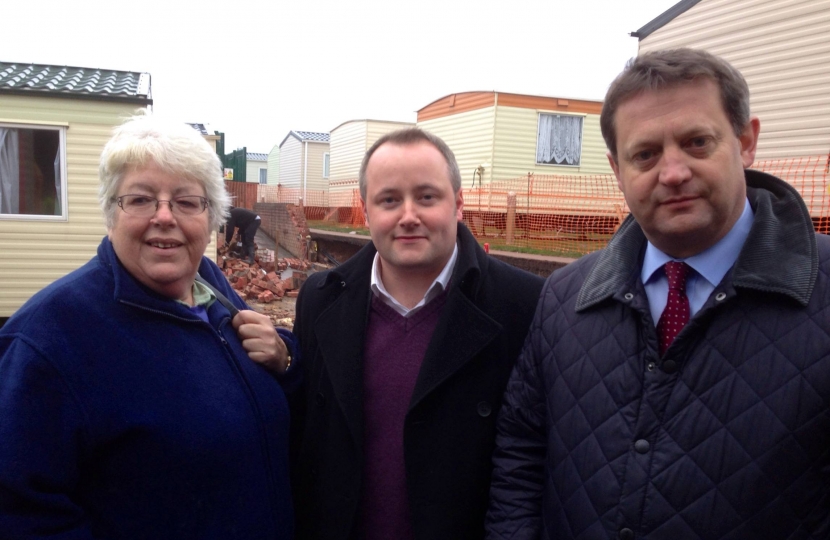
point(677, 383)
point(406, 348)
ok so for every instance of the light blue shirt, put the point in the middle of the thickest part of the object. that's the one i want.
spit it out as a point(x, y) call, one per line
point(709, 268)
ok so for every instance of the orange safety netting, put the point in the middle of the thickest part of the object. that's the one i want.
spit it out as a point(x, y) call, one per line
point(550, 214)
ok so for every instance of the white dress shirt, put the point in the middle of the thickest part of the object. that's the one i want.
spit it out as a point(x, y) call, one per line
point(438, 286)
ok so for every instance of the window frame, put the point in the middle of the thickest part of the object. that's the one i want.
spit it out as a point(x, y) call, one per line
point(261, 183)
point(48, 126)
point(539, 114)
point(326, 164)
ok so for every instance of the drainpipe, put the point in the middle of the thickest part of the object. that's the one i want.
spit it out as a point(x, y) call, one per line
point(305, 172)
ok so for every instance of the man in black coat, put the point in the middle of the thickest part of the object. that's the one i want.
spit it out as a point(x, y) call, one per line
point(406, 348)
point(247, 222)
point(676, 384)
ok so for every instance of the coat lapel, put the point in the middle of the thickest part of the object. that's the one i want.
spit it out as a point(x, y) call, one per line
point(461, 333)
point(340, 331)
point(463, 330)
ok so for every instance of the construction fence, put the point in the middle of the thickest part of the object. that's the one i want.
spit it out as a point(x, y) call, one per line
point(564, 215)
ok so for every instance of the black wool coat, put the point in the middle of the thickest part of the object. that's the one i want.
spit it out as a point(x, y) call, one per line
point(449, 430)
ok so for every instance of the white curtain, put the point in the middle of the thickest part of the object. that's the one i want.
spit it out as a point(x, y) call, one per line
point(560, 139)
point(9, 172)
point(58, 205)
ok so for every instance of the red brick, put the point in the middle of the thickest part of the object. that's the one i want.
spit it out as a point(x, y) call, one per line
point(266, 297)
point(240, 283)
point(292, 294)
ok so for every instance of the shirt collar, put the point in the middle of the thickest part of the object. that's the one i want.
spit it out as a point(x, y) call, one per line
point(438, 286)
point(712, 263)
point(202, 296)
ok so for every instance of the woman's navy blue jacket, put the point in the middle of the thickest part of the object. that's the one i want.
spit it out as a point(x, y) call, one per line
point(125, 416)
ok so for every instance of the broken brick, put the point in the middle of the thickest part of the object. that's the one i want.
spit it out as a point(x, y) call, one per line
point(240, 283)
point(266, 297)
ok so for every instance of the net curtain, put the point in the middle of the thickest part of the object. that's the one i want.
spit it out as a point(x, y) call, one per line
point(23, 187)
point(9, 171)
point(560, 139)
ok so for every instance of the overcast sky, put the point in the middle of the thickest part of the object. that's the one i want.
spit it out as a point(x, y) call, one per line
point(257, 69)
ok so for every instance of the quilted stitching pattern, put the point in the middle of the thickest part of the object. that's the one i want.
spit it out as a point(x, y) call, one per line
point(738, 438)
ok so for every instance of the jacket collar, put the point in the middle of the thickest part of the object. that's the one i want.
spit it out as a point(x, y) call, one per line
point(779, 254)
point(126, 289)
point(468, 267)
point(462, 330)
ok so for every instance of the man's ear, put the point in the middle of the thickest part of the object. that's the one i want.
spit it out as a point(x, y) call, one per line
point(749, 141)
point(616, 168)
point(459, 205)
point(363, 209)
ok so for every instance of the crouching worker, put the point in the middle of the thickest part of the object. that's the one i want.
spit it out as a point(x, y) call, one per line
point(248, 223)
point(137, 401)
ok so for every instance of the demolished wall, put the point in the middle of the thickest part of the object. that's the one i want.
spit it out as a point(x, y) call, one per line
point(285, 224)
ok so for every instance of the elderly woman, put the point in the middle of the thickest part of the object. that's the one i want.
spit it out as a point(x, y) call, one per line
point(133, 404)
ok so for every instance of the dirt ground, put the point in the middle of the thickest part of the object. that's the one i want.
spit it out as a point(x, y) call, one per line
point(281, 311)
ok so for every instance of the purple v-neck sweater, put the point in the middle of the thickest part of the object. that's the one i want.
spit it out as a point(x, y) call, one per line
point(395, 348)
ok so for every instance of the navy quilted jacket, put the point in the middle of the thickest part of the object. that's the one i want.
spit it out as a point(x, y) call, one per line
point(726, 436)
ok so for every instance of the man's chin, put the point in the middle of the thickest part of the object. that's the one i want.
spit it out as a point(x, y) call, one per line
point(410, 263)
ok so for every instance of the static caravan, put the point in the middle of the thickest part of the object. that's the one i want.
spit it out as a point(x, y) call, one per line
point(349, 142)
point(782, 48)
point(304, 165)
point(204, 130)
point(500, 136)
point(274, 165)
point(54, 122)
point(256, 168)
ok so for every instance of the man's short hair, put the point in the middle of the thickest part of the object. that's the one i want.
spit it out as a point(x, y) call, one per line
point(662, 69)
point(406, 137)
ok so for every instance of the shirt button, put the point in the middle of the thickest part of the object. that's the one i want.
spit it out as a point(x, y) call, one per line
point(484, 409)
point(626, 534)
point(670, 366)
point(642, 446)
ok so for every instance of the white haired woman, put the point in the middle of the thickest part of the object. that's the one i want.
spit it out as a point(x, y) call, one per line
point(133, 403)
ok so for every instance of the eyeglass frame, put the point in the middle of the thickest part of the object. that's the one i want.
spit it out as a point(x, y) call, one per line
point(170, 203)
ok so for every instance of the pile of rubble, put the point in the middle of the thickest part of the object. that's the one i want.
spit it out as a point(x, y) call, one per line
point(261, 281)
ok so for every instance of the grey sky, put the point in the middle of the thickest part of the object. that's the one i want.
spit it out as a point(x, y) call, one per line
point(257, 69)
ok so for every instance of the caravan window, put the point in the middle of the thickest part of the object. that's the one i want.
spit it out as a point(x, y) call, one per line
point(559, 140)
point(32, 172)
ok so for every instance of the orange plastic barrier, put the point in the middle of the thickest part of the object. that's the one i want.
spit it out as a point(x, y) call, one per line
point(550, 214)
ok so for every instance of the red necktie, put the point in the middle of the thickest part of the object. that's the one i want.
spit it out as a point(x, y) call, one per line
point(676, 314)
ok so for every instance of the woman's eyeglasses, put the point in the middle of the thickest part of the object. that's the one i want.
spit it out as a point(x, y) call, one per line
point(146, 206)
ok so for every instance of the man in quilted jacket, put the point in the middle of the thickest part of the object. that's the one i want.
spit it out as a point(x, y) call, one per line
point(677, 383)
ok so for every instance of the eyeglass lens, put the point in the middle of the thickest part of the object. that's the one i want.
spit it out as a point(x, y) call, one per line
point(145, 206)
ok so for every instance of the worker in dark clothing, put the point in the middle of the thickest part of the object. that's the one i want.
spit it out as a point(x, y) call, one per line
point(247, 222)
